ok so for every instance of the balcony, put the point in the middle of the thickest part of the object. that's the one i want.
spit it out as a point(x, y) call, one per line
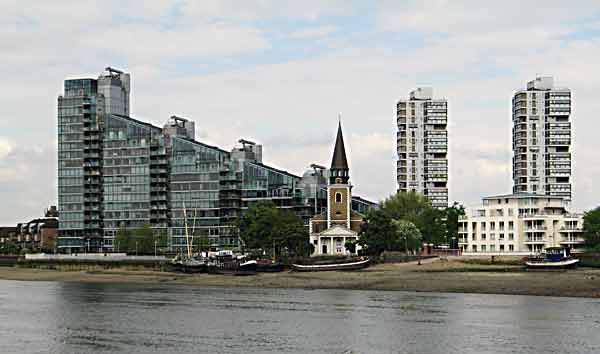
point(536, 229)
point(571, 241)
point(534, 240)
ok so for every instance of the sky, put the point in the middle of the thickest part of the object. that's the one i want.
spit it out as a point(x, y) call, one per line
point(279, 73)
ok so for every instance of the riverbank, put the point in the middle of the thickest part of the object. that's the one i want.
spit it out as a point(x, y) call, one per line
point(432, 276)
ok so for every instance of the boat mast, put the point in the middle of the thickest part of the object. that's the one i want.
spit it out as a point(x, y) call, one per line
point(187, 234)
point(193, 231)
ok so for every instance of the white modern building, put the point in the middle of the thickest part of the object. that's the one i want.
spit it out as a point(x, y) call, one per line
point(519, 224)
point(541, 139)
point(422, 146)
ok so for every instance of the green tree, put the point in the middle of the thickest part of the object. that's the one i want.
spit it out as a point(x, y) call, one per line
point(591, 229)
point(123, 239)
point(377, 233)
point(143, 240)
point(350, 246)
point(201, 240)
point(406, 236)
point(405, 206)
point(265, 228)
point(291, 236)
point(432, 225)
point(452, 215)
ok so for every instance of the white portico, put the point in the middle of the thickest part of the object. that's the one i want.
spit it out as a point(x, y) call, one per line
point(332, 241)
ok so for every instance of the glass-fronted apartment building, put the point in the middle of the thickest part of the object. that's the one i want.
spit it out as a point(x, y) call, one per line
point(115, 171)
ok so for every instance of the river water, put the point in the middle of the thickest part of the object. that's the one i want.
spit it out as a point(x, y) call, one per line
point(54, 317)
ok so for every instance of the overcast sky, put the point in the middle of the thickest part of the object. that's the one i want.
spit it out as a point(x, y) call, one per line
point(279, 72)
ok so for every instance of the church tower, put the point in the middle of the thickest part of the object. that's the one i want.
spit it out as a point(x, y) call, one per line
point(338, 191)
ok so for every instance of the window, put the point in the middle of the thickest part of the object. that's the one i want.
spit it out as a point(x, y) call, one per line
point(483, 248)
point(501, 248)
point(492, 248)
point(338, 197)
point(511, 237)
point(501, 236)
point(483, 236)
point(511, 247)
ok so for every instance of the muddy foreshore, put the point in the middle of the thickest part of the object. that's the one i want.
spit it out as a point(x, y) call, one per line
point(436, 276)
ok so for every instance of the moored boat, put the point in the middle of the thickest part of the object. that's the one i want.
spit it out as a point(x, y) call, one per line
point(351, 265)
point(268, 266)
point(189, 265)
point(553, 258)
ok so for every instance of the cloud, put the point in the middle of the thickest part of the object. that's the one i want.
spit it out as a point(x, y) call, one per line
point(27, 182)
point(314, 32)
point(237, 69)
point(5, 148)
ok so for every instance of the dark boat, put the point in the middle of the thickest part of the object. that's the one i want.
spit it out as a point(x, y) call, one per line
point(268, 266)
point(190, 265)
point(233, 268)
point(553, 258)
point(349, 265)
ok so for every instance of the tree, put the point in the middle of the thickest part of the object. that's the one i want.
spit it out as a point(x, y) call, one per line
point(139, 240)
point(452, 215)
point(405, 206)
point(201, 240)
point(406, 235)
point(591, 229)
point(377, 233)
point(350, 245)
point(431, 224)
point(143, 240)
point(123, 239)
point(265, 228)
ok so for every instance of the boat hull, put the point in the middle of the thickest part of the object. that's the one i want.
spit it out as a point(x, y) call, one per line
point(269, 268)
point(563, 264)
point(330, 267)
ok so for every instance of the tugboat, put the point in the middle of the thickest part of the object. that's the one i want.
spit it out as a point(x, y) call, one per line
point(553, 258)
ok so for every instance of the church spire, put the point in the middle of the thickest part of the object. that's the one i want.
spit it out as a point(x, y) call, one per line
point(339, 163)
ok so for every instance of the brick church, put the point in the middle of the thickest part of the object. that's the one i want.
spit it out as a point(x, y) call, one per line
point(330, 230)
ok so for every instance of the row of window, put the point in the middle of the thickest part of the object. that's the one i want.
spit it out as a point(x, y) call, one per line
point(134, 197)
point(119, 188)
point(126, 170)
point(126, 180)
point(492, 248)
point(70, 172)
point(493, 237)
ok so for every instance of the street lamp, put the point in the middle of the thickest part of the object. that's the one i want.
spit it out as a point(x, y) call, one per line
point(155, 248)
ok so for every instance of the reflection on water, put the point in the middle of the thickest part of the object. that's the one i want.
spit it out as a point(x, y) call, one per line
point(40, 317)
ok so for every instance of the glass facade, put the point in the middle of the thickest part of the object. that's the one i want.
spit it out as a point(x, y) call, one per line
point(115, 171)
point(76, 117)
point(194, 191)
point(126, 175)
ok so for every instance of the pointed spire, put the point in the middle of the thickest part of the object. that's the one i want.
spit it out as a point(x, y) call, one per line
point(339, 161)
